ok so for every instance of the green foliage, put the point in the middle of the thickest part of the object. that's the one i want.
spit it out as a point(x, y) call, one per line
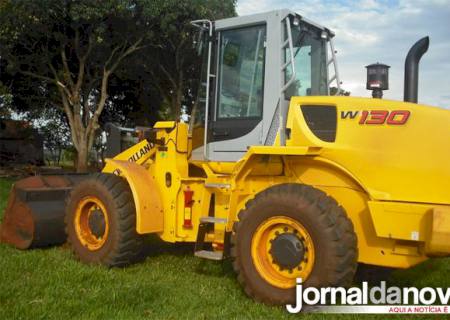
point(5, 106)
point(32, 34)
point(99, 61)
point(5, 99)
point(333, 92)
point(55, 131)
point(169, 67)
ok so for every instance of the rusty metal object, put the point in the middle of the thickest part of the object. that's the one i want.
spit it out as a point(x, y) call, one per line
point(34, 215)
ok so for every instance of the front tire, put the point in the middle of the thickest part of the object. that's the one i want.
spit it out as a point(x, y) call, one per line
point(101, 222)
point(292, 231)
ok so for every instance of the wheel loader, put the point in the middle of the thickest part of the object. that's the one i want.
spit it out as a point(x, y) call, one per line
point(271, 172)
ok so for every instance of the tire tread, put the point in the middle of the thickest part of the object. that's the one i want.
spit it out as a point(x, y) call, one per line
point(129, 243)
point(330, 215)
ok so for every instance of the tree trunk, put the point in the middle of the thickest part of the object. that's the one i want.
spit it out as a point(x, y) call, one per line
point(82, 158)
point(82, 117)
point(59, 156)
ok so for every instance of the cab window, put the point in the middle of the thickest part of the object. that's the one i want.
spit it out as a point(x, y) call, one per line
point(241, 73)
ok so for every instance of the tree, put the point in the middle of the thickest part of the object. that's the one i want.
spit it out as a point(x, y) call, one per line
point(74, 48)
point(177, 64)
point(55, 131)
point(334, 90)
point(168, 71)
point(5, 96)
point(70, 52)
point(5, 103)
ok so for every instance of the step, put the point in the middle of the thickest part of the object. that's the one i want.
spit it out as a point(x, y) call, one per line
point(213, 220)
point(217, 185)
point(211, 255)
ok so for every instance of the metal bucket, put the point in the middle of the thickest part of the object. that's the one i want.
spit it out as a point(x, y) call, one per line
point(34, 215)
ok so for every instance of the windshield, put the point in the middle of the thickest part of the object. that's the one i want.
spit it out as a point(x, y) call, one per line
point(241, 70)
point(310, 58)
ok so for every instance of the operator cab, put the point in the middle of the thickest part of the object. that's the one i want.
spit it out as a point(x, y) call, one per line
point(251, 68)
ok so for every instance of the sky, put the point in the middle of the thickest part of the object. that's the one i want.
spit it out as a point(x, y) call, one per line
point(370, 31)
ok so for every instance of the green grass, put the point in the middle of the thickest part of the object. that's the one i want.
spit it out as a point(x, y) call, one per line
point(169, 284)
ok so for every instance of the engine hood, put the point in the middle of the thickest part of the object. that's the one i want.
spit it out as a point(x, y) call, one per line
point(397, 151)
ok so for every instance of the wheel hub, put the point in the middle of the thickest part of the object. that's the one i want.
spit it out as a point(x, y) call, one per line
point(287, 250)
point(282, 251)
point(91, 223)
point(97, 223)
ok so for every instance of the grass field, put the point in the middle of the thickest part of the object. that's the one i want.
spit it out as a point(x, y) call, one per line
point(169, 284)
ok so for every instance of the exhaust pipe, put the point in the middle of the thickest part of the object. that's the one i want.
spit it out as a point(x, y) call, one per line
point(412, 69)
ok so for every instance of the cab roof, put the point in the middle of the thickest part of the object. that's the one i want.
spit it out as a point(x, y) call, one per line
point(261, 17)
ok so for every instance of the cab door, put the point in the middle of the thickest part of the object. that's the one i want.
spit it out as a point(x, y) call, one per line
point(236, 119)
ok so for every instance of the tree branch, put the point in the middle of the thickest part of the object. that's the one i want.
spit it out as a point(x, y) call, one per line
point(93, 123)
point(100, 105)
point(69, 114)
point(66, 71)
point(111, 56)
point(127, 52)
point(168, 75)
point(82, 63)
point(58, 82)
point(38, 76)
point(86, 96)
point(76, 43)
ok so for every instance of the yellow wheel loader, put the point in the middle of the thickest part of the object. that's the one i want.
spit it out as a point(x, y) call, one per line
point(271, 171)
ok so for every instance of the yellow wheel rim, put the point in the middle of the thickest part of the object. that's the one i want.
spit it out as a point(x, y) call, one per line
point(91, 223)
point(262, 251)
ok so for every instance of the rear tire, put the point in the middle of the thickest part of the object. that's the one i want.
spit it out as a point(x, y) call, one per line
point(277, 221)
point(101, 222)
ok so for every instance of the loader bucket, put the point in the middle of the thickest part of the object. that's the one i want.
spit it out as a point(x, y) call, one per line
point(34, 215)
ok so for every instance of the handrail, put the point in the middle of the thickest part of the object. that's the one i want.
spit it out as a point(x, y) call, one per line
point(336, 70)
point(202, 24)
point(291, 62)
point(291, 51)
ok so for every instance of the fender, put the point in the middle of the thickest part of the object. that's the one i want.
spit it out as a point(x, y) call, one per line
point(147, 200)
point(307, 155)
point(353, 181)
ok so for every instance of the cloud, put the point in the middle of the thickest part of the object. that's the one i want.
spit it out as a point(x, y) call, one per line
point(369, 4)
point(380, 30)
